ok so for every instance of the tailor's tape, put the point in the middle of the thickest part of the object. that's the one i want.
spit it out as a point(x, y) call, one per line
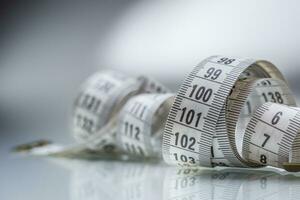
point(95, 115)
point(270, 134)
point(99, 100)
point(220, 117)
point(141, 123)
point(206, 124)
point(244, 100)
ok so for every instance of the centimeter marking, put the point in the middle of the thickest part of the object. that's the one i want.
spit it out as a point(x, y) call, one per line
point(210, 118)
point(215, 118)
point(288, 135)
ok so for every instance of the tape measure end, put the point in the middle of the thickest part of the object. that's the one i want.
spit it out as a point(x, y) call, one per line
point(29, 146)
point(291, 167)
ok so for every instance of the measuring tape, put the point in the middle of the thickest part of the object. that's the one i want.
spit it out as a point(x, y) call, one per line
point(100, 98)
point(244, 100)
point(141, 123)
point(206, 124)
point(95, 115)
point(270, 135)
point(219, 117)
point(130, 180)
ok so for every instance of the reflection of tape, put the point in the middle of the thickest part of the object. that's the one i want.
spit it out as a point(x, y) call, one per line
point(229, 184)
point(97, 104)
point(271, 133)
point(220, 117)
point(243, 102)
point(207, 121)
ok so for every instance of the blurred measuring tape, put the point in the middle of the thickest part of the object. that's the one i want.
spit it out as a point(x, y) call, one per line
point(96, 117)
point(207, 124)
point(218, 118)
point(141, 124)
point(99, 103)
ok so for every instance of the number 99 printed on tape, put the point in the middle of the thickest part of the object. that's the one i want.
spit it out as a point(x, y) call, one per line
point(220, 117)
point(228, 112)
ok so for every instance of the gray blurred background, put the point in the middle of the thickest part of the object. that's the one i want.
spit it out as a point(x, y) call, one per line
point(47, 48)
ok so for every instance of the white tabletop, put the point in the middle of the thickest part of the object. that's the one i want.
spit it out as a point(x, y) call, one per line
point(57, 178)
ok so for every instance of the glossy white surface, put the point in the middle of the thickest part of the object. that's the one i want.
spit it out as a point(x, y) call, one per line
point(91, 180)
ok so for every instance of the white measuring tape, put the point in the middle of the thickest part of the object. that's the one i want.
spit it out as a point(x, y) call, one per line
point(141, 123)
point(110, 92)
point(140, 181)
point(218, 118)
point(270, 135)
point(206, 124)
point(97, 104)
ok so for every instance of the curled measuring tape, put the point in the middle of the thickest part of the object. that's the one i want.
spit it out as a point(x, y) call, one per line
point(99, 102)
point(141, 181)
point(95, 115)
point(204, 123)
point(141, 123)
point(270, 135)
